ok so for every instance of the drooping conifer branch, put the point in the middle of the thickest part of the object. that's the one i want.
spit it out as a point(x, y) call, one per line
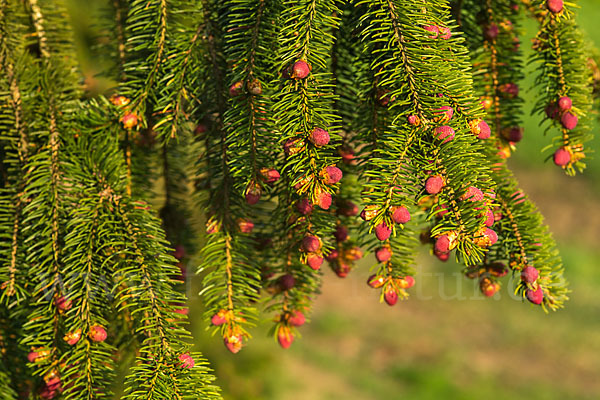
point(148, 281)
point(492, 40)
point(45, 190)
point(249, 32)
point(347, 65)
point(425, 115)
point(304, 93)
point(303, 97)
point(232, 279)
point(525, 245)
point(180, 71)
point(147, 30)
point(505, 209)
point(18, 144)
point(385, 84)
point(141, 273)
point(86, 319)
point(492, 30)
point(492, 26)
point(563, 83)
point(119, 11)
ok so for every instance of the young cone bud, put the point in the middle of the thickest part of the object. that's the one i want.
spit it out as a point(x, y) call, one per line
point(569, 120)
point(382, 231)
point(253, 193)
point(119, 101)
point(409, 282)
point(488, 287)
point(297, 318)
point(490, 218)
point(32, 356)
point(342, 270)
point(383, 254)
point(355, 253)
point(491, 31)
point(97, 333)
point(444, 113)
point(293, 146)
point(480, 128)
point(219, 318)
point(529, 274)
point(535, 296)
point(72, 337)
point(303, 206)
point(497, 269)
point(62, 303)
point(441, 256)
point(341, 233)
point(433, 29)
point(442, 244)
point(369, 212)
point(311, 244)
point(235, 89)
point(254, 87)
point(444, 133)
point(514, 134)
point(324, 200)
point(511, 89)
point(562, 157)
point(300, 69)
point(473, 194)
point(400, 215)
point(285, 336)
point(555, 6)
point(270, 175)
point(390, 296)
point(552, 110)
point(376, 281)
point(334, 254)
point(319, 137)
point(245, 225)
point(186, 361)
point(314, 261)
point(287, 281)
point(565, 103)
point(434, 184)
point(233, 343)
point(491, 236)
point(129, 121)
point(445, 33)
point(331, 175)
point(414, 120)
point(347, 208)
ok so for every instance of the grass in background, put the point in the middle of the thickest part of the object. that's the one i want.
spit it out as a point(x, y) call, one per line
point(446, 342)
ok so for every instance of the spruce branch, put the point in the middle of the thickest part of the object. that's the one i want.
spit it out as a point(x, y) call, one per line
point(17, 139)
point(142, 274)
point(418, 117)
point(119, 18)
point(525, 244)
point(180, 71)
point(491, 29)
point(563, 83)
point(146, 39)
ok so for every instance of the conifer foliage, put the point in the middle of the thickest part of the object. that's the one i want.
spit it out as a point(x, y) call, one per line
point(266, 137)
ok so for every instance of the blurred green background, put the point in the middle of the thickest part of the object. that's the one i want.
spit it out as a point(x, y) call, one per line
point(446, 341)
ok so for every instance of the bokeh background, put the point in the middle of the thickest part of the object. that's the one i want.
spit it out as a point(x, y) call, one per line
point(446, 341)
